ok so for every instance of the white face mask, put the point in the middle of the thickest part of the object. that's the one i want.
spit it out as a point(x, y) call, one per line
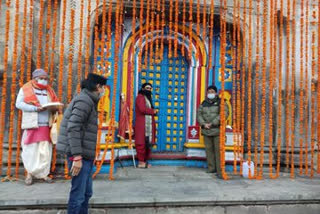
point(211, 96)
point(101, 94)
point(42, 81)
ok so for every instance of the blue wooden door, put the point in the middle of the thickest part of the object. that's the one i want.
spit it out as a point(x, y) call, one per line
point(169, 78)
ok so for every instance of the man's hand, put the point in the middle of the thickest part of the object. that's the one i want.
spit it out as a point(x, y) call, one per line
point(207, 126)
point(76, 166)
point(39, 109)
point(155, 111)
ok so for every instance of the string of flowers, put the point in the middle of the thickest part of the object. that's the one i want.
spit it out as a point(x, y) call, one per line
point(222, 113)
point(30, 34)
point(249, 87)
point(190, 29)
point(39, 51)
point(183, 26)
point(306, 99)
point(4, 88)
point(273, 35)
point(87, 62)
point(53, 42)
point(13, 86)
point(239, 144)
point(313, 105)
point(204, 20)
point(279, 127)
point(80, 45)
point(158, 28)
point(96, 37)
point(109, 28)
point(133, 67)
point(198, 26)
point(318, 97)
point(152, 31)
point(243, 80)
point(163, 25)
point(287, 97)
point(301, 94)
point(140, 36)
point(257, 85)
point(176, 29)
point(293, 58)
point(48, 26)
point(263, 98)
point(210, 39)
point(147, 34)
point(234, 66)
point(61, 54)
point(70, 58)
point(21, 81)
point(170, 28)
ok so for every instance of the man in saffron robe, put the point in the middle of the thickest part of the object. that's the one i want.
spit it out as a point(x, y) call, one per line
point(36, 143)
point(145, 126)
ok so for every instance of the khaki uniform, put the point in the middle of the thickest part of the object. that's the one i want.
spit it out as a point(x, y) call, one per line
point(209, 112)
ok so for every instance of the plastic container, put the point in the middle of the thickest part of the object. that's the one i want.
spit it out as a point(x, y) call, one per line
point(246, 166)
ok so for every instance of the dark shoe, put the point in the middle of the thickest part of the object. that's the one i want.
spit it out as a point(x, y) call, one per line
point(211, 171)
point(219, 176)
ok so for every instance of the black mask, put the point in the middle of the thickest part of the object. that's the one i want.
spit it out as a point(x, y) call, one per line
point(148, 94)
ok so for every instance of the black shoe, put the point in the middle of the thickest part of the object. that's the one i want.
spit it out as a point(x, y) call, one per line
point(210, 171)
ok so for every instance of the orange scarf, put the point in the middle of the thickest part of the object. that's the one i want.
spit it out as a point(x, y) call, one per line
point(31, 98)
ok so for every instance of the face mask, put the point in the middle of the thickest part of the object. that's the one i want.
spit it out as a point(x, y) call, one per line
point(101, 94)
point(42, 81)
point(211, 96)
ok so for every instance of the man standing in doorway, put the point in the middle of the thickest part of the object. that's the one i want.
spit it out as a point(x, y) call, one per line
point(208, 117)
point(145, 126)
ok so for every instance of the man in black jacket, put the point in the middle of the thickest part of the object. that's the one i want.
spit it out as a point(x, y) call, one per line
point(77, 139)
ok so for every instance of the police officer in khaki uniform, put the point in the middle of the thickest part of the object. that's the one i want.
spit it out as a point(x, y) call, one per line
point(208, 116)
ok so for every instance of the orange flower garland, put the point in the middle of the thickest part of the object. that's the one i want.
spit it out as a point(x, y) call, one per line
point(287, 98)
point(4, 88)
point(198, 26)
point(147, 35)
point(96, 37)
point(257, 85)
point(152, 31)
point(176, 29)
point(21, 81)
point(158, 12)
point(163, 25)
point(264, 69)
point(190, 29)
point(170, 28)
point(80, 44)
point(61, 54)
point(301, 94)
point(48, 26)
point(87, 63)
point(211, 32)
point(29, 61)
point(204, 20)
point(53, 41)
point(234, 66)
point(71, 49)
point(183, 26)
point(293, 58)
point(140, 36)
point(13, 86)
point(306, 99)
point(39, 52)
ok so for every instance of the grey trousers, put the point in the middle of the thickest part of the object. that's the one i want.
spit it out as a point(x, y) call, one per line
point(212, 145)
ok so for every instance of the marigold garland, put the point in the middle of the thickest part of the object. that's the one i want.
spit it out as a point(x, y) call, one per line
point(39, 51)
point(293, 58)
point(13, 86)
point(96, 38)
point(29, 61)
point(306, 99)
point(183, 26)
point(190, 29)
point(140, 36)
point(48, 26)
point(53, 41)
point(163, 25)
point(211, 32)
point(158, 12)
point(257, 86)
point(198, 26)
point(61, 54)
point(234, 66)
point(263, 98)
point(87, 62)
point(146, 47)
point(301, 92)
point(152, 31)
point(21, 81)
point(170, 28)
point(80, 45)
point(175, 53)
point(4, 88)
point(287, 97)
point(70, 58)
point(204, 20)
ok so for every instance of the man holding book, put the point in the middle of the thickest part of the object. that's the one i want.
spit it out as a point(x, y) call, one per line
point(36, 122)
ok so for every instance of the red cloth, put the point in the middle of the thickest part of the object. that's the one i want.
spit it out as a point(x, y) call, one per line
point(139, 130)
point(35, 135)
point(31, 98)
point(124, 120)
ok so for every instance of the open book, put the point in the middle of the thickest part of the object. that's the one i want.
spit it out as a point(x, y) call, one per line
point(52, 105)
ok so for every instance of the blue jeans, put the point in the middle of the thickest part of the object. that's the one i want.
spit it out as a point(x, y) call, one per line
point(81, 188)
